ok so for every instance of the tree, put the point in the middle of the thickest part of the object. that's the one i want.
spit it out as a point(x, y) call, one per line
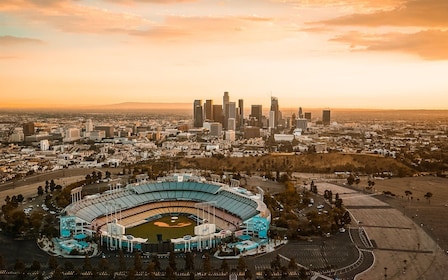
point(407, 193)
point(87, 266)
point(52, 185)
point(169, 273)
point(350, 179)
point(189, 261)
point(121, 261)
point(267, 274)
point(137, 261)
point(292, 264)
point(19, 266)
point(150, 269)
point(40, 190)
point(225, 266)
point(156, 262)
point(206, 265)
point(172, 260)
point(20, 198)
point(302, 274)
point(52, 262)
point(57, 274)
point(428, 196)
point(248, 274)
point(108, 174)
point(35, 266)
point(276, 263)
point(241, 264)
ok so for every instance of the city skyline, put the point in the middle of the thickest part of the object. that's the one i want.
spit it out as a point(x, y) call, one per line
point(389, 54)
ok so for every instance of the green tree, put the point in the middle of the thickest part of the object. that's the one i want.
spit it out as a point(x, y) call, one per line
point(206, 265)
point(35, 266)
point(225, 266)
point(292, 264)
point(156, 262)
point(248, 274)
point(137, 261)
point(189, 261)
point(40, 190)
point(169, 273)
point(172, 260)
point(121, 260)
point(241, 266)
point(52, 262)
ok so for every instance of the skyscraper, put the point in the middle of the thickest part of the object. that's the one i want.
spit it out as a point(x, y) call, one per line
point(275, 110)
point(225, 108)
point(257, 113)
point(28, 129)
point(208, 110)
point(217, 113)
point(326, 119)
point(198, 119)
point(300, 113)
point(240, 117)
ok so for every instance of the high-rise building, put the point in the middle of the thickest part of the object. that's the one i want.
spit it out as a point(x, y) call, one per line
point(240, 116)
point(110, 130)
point(256, 112)
point(272, 120)
point(225, 108)
point(28, 129)
point(89, 125)
point(300, 113)
point(275, 109)
point(215, 129)
point(308, 116)
point(197, 113)
point(231, 124)
point(302, 124)
point(208, 110)
point(217, 113)
point(326, 117)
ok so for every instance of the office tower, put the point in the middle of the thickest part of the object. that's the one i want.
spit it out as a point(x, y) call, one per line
point(197, 113)
point(308, 116)
point(275, 109)
point(271, 120)
point(251, 132)
point(225, 108)
point(302, 124)
point(240, 117)
point(257, 113)
point(28, 129)
point(208, 110)
point(231, 124)
point(215, 129)
point(326, 117)
point(89, 125)
point(109, 130)
point(232, 110)
point(217, 113)
point(300, 113)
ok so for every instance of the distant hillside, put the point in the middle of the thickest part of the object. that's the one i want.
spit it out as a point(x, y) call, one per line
point(310, 163)
point(143, 106)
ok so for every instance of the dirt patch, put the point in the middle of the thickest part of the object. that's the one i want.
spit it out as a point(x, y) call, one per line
point(165, 225)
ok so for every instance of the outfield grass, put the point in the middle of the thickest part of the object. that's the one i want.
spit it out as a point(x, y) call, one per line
point(150, 230)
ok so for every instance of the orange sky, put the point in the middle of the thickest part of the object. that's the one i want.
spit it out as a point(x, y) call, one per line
point(309, 53)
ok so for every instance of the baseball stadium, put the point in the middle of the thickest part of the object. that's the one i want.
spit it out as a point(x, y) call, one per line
point(186, 211)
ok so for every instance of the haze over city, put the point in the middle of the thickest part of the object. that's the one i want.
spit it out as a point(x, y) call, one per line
point(389, 54)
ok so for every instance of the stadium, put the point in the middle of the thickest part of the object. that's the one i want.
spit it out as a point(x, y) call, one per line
point(214, 209)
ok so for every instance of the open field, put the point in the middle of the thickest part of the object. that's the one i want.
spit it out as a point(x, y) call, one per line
point(180, 227)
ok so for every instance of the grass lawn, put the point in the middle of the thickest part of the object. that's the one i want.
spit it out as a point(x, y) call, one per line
point(166, 226)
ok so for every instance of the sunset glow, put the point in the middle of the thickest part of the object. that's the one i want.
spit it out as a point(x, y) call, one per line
point(310, 53)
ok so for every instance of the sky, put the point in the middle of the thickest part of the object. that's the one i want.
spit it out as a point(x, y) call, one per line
point(377, 54)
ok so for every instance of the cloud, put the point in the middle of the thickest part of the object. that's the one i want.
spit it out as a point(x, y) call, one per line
point(12, 40)
point(428, 44)
point(71, 16)
point(208, 28)
point(420, 13)
point(127, 2)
